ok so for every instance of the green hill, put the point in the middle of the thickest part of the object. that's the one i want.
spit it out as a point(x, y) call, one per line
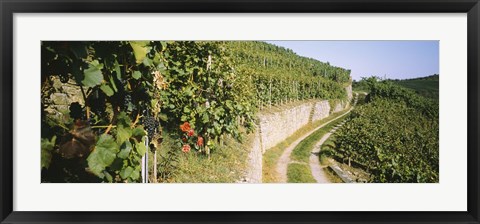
point(425, 86)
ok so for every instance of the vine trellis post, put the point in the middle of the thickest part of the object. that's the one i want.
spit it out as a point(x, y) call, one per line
point(145, 163)
point(270, 90)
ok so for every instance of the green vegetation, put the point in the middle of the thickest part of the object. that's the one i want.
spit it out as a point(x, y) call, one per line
point(271, 156)
point(131, 94)
point(226, 165)
point(303, 150)
point(299, 173)
point(279, 75)
point(425, 86)
point(395, 136)
point(327, 150)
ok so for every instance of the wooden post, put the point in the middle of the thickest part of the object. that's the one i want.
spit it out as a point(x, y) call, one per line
point(270, 92)
point(281, 88)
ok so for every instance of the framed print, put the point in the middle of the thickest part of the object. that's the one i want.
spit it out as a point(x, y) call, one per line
point(262, 112)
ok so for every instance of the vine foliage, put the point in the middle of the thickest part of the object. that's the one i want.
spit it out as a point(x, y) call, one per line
point(124, 96)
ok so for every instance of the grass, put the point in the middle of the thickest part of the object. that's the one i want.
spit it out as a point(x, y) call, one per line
point(303, 150)
point(227, 164)
point(271, 156)
point(299, 173)
point(332, 176)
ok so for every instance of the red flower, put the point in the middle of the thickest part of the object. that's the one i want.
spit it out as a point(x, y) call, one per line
point(186, 148)
point(191, 132)
point(200, 141)
point(185, 127)
point(184, 139)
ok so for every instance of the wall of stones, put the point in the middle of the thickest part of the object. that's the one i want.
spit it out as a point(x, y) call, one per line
point(321, 110)
point(59, 101)
point(277, 126)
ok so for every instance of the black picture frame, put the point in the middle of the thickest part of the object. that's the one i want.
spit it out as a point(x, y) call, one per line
point(9, 7)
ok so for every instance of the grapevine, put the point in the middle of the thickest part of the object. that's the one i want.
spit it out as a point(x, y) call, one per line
point(394, 136)
point(129, 91)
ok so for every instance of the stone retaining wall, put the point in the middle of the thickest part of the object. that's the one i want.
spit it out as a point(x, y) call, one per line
point(276, 127)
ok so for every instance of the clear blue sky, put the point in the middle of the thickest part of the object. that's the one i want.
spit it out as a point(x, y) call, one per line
point(393, 59)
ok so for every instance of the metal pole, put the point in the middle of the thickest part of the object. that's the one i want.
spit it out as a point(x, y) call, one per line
point(145, 164)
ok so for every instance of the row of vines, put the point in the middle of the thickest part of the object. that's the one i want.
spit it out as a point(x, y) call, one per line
point(124, 96)
point(279, 75)
point(394, 137)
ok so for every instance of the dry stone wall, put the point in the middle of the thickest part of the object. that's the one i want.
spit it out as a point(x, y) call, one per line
point(321, 110)
point(348, 89)
point(255, 158)
point(339, 106)
point(276, 127)
point(59, 101)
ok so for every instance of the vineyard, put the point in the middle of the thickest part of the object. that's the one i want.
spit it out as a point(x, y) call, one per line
point(394, 136)
point(108, 104)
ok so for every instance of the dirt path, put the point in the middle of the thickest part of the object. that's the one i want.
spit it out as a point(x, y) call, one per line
point(315, 167)
point(284, 160)
point(317, 171)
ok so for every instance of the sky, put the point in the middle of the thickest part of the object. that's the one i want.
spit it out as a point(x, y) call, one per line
point(393, 59)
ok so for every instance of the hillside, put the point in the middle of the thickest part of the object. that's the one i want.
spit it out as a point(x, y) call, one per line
point(425, 86)
point(127, 99)
point(279, 75)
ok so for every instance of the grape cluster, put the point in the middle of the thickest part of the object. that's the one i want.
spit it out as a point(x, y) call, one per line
point(127, 101)
point(76, 111)
point(64, 78)
point(150, 125)
point(97, 103)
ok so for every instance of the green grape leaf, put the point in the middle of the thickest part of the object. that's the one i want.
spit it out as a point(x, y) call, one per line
point(112, 82)
point(108, 176)
point(46, 153)
point(147, 62)
point(123, 133)
point(117, 70)
point(161, 67)
point(107, 90)
point(125, 150)
point(136, 75)
point(229, 104)
point(93, 74)
point(163, 117)
point(139, 50)
point(123, 119)
point(135, 175)
point(138, 132)
point(205, 118)
point(125, 173)
point(141, 148)
point(103, 155)
point(164, 45)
